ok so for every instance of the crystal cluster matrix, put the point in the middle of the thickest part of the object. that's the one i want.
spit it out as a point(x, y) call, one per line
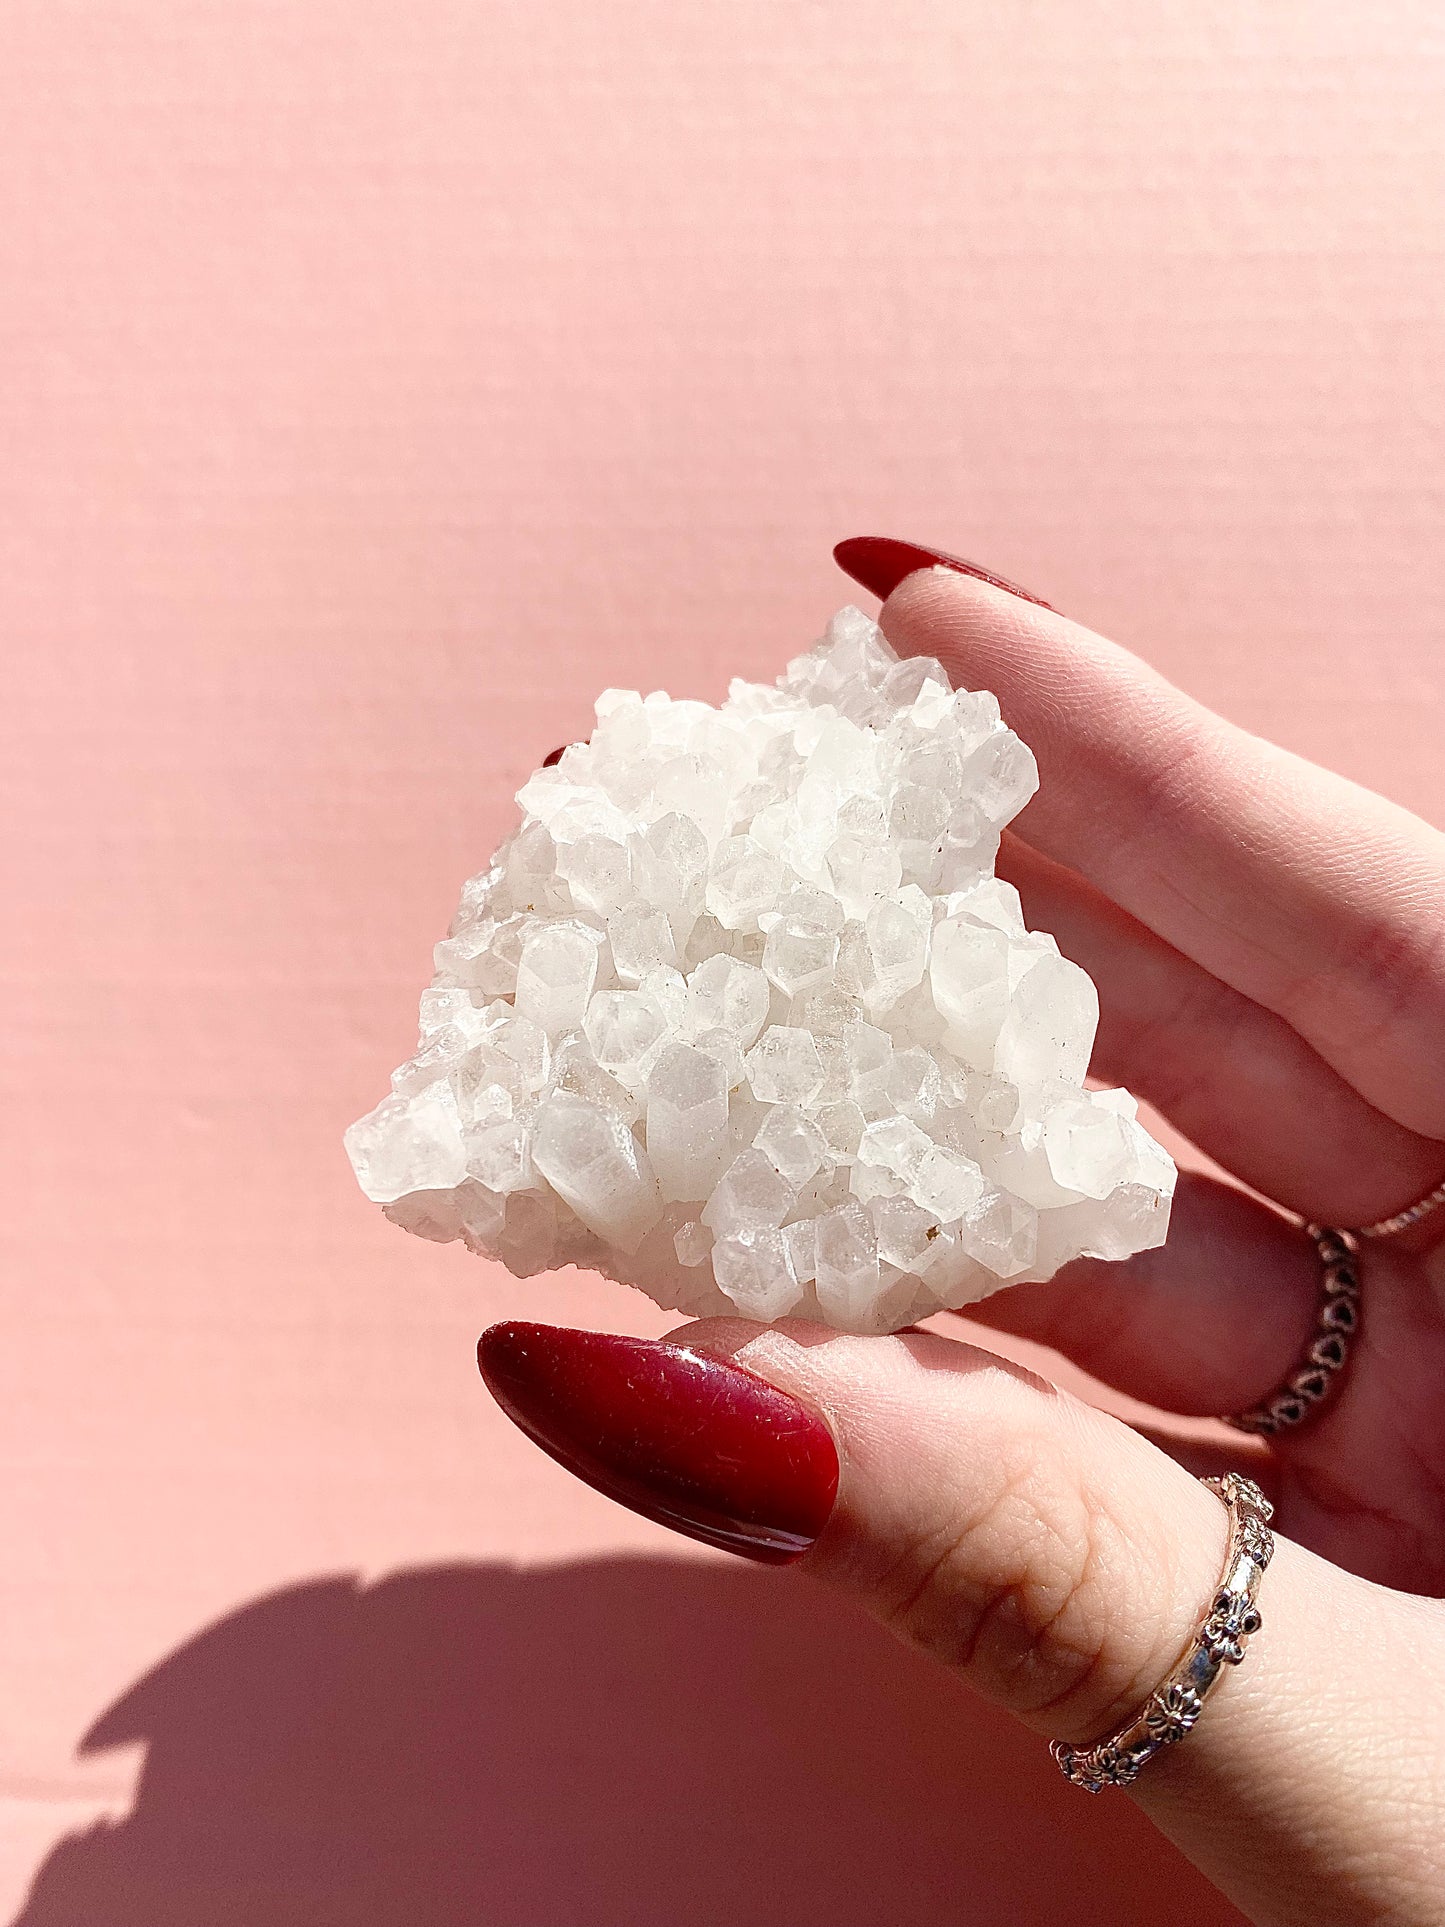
point(741, 1015)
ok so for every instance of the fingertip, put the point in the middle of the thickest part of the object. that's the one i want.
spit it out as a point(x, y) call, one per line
point(965, 621)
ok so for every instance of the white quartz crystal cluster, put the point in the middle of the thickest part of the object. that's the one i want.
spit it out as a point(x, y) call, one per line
point(741, 1015)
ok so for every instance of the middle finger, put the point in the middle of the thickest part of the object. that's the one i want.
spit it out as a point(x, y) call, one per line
point(1232, 1076)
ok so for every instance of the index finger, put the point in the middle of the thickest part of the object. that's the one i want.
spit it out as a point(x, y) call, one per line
point(1304, 891)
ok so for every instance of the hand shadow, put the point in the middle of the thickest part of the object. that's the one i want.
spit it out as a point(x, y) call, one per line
point(629, 1743)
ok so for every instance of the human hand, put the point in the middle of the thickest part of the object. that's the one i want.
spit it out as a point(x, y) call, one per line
point(1269, 943)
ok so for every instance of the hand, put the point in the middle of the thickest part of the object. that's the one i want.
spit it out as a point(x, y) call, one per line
point(1269, 943)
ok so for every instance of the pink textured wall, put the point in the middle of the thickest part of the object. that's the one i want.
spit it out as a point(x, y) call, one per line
point(378, 381)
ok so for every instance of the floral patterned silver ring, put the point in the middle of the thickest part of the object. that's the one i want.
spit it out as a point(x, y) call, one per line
point(1233, 1617)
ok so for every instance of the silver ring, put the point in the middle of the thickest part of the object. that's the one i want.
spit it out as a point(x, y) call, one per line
point(1174, 1706)
point(1403, 1220)
point(1310, 1383)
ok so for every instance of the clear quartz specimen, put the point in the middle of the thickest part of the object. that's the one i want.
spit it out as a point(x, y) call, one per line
point(574, 1068)
point(753, 1196)
point(669, 857)
point(1049, 1029)
point(946, 1183)
point(846, 1255)
point(668, 990)
point(793, 1141)
point(593, 1163)
point(744, 881)
point(968, 976)
point(597, 871)
point(626, 1029)
point(499, 1155)
point(525, 1048)
point(408, 1144)
point(799, 954)
point(905, 1233)
point(842, 1125)
point(687, 1123)
point(755, 1269)
point(801, 1237)
point(642, 941)
point(555, 975)
point(740, 1014)
point(723, 1046)
point(724, 993)
point(898, 943)
point(693, 1243)
point(1001, 1232)
point(915, 1084)
point(868, 1057)
point(895, 1144)
point(784, 1066)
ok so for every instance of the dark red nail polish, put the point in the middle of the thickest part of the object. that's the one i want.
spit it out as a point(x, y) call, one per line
point(553, 757)
point(695, 1442)
point(880, 563)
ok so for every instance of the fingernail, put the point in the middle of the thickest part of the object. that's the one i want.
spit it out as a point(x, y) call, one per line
point(553, 757)
point(695, 1442)
point(880, 563)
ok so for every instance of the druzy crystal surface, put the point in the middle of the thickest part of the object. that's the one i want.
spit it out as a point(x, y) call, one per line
point(741, 1015)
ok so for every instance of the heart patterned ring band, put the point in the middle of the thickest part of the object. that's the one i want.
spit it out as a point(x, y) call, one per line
point(1317, 1375)
point(1307, 1386)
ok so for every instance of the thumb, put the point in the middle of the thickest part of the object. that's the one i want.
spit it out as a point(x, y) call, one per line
point(1049, 1554)
point(1041, 1549)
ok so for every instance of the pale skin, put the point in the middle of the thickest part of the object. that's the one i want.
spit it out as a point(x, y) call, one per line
point(1269, 943)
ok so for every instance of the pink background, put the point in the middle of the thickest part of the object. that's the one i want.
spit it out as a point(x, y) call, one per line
point(379, 380)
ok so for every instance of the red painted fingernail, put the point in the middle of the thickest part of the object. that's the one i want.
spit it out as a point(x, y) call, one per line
point(692, 1441)
point(553, 757)
point(880, 563)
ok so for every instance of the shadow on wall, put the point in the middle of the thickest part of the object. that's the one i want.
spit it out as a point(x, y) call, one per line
point(632, 1743)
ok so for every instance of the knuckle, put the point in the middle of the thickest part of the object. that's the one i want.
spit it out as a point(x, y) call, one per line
point(1032, 1595)
point(1399, 963)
